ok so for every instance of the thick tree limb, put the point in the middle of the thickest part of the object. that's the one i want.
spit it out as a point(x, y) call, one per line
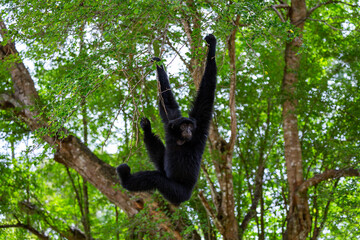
point(8, 101)
point(328, 174)
point(70, 151)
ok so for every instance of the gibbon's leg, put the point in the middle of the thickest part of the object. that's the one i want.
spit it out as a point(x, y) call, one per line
point(154, 145)
point(168, 107)
point(174, 192)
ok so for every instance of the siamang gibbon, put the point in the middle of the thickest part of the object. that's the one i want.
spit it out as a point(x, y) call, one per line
point(178, 164)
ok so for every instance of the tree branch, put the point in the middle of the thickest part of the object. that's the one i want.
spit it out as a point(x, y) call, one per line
point(283, 5)
point(278, 13)
point(318, 229)
point(188, 66)
point(188, 32)
point(232, 102)
point(259, 174)
point(326, 3)
point(210, 212)
point(322, 21)
point(328, 174)
point(8, 101)
point(40, 235)
point(57, 225)
point(215, 196)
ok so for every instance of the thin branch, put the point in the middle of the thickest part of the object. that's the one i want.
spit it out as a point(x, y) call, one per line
point(77, 194)
point(326, 3)
point(322, 21)
point(317, 229)
point(232, 102)
point(210, 212)
point(278, 13)
point(283, 5)
point(328, 174)
point(188, 66)
point(214, 194)
point(188, 32)
point(11, 225)
point(40, 235)
point(260, 172)
point(120, 109)
point(57, 225)
point(164, 37)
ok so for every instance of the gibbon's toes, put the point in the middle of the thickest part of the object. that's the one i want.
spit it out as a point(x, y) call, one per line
point(123, 170)
point(210, 39)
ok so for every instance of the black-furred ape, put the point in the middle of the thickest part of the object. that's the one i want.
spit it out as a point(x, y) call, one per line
point(177, 164)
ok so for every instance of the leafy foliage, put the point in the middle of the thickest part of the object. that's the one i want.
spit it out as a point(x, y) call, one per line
point(93, 56)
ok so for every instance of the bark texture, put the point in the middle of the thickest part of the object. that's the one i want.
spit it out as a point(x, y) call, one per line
point(298, 220)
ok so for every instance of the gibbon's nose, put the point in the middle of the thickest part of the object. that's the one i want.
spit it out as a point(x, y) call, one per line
point(187, 134)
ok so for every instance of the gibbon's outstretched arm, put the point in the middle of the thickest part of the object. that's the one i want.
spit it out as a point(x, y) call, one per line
point(168, 107)
point(204, 102)
point(154, 145)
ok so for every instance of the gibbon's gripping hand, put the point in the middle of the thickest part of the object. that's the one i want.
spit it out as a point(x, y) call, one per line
point(155, 59)
point(145, 124)
point(158, 62)
point(210, 39)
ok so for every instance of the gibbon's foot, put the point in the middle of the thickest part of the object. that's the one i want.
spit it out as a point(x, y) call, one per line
point(210, 39)
point(145, 124)
point(123, 170)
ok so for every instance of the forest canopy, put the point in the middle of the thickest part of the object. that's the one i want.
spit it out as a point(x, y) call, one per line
point(282, 156)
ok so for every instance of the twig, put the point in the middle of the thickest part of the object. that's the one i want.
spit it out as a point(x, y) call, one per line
point(278, 13)
point(178, 53)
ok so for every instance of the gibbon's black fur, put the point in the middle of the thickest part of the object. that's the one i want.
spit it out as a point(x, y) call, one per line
point(177, 164)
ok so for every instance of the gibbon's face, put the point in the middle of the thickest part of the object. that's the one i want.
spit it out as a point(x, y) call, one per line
point(186, 130)
point(183, 129)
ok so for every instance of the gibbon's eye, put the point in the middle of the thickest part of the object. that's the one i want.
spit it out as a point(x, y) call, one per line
point(186, 126)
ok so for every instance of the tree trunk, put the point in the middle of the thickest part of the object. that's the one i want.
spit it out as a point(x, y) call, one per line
point(298, 219)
